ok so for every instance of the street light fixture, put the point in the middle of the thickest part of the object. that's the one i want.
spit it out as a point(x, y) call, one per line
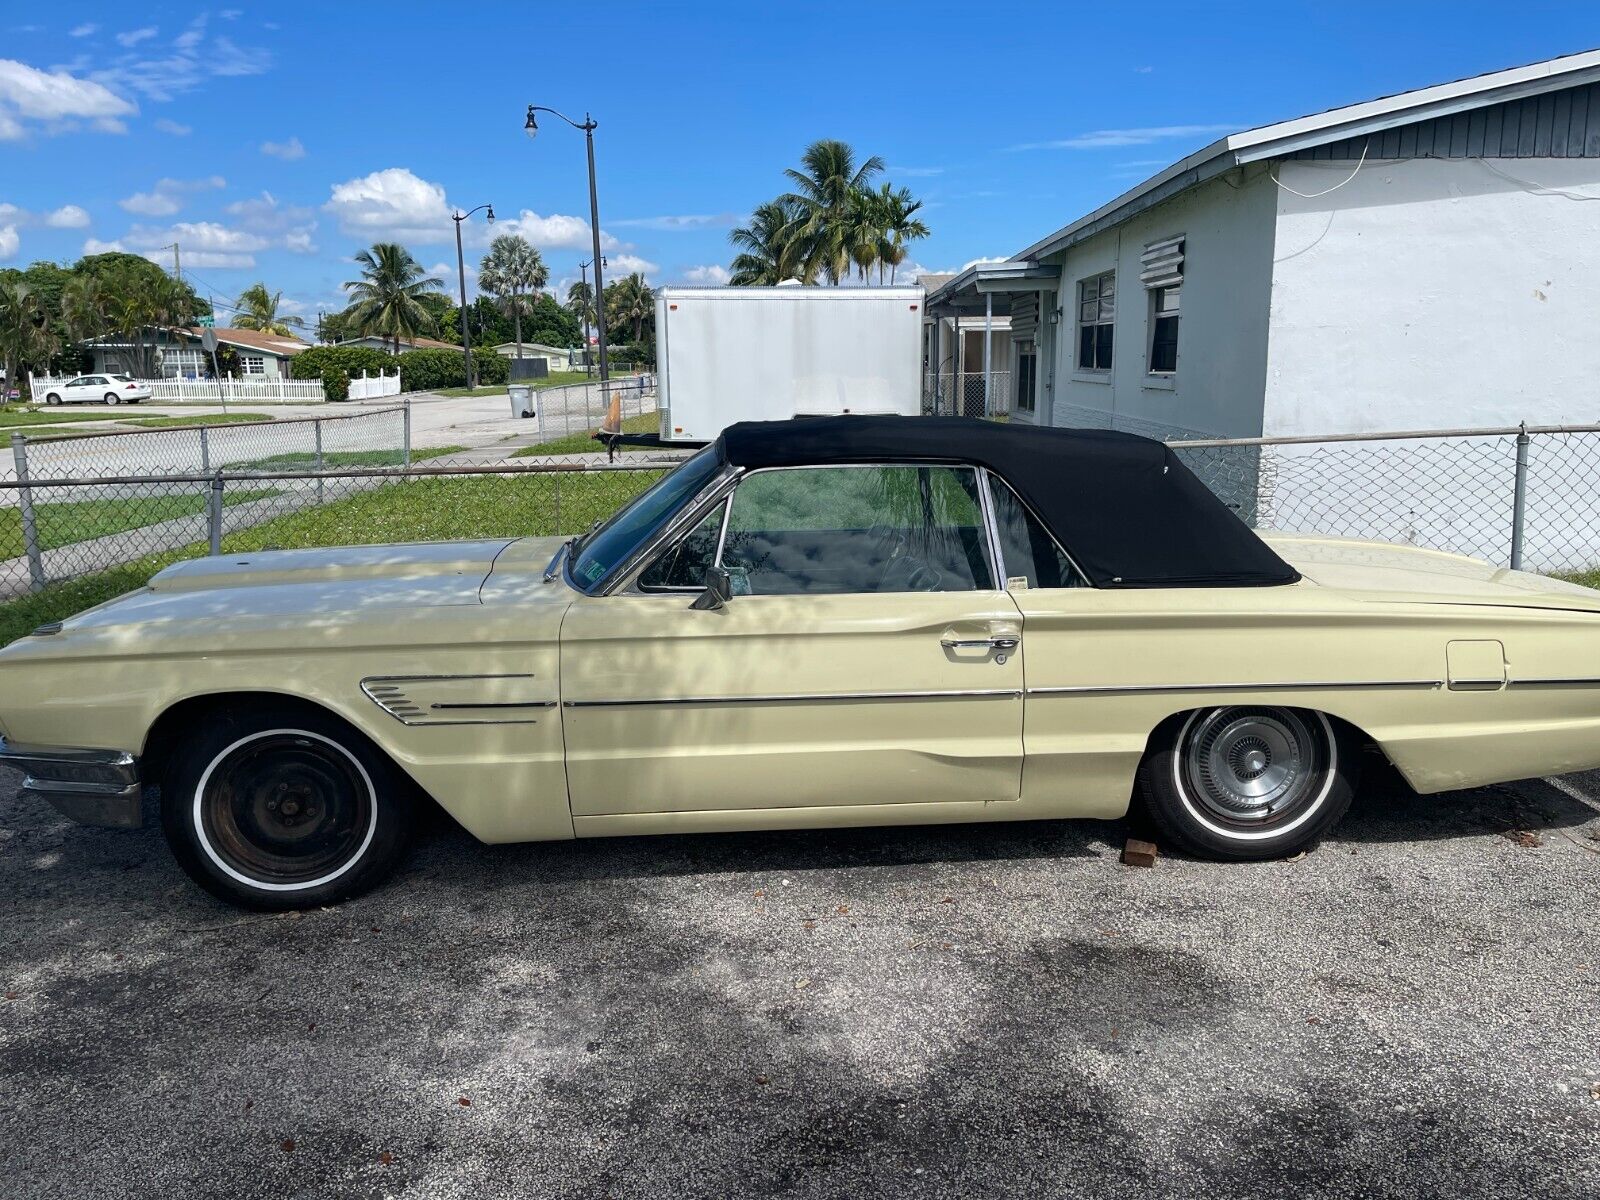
point(531, 128)
point(461, 272)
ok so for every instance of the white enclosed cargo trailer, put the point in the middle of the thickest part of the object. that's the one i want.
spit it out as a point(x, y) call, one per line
point(771, 353)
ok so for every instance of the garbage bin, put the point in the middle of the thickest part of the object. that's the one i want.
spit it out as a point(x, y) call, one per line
point(521, 400)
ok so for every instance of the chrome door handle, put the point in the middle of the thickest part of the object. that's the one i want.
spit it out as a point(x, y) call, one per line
point(992, 643)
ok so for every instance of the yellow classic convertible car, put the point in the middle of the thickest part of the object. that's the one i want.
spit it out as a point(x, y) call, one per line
point(836, 622)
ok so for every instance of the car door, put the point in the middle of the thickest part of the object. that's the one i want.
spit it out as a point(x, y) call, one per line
point(74, 391)
point(869, 664)
point(91, 389)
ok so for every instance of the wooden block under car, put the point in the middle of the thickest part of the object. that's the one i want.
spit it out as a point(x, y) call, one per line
point(1136, 853)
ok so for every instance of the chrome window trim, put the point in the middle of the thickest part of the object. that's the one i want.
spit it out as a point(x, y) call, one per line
point(991, 531)
point(1083, 578)
point(624, 576)
point(689, 527)
point(803, 698)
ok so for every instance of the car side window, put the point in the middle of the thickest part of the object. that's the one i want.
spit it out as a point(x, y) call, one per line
point(853, 529)
point(1026, 548)
point(683, 565)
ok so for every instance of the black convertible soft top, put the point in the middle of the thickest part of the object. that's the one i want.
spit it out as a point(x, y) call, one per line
point(1124, 507)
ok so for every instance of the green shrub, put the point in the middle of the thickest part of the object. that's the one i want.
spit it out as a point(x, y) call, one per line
point(352, 360)
point(430, 370)
point(492, 368)
point(335, 384)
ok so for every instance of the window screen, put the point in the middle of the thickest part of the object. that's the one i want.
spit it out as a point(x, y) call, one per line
point(834, 530)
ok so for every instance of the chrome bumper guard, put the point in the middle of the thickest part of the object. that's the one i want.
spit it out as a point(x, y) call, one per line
point(95, 787)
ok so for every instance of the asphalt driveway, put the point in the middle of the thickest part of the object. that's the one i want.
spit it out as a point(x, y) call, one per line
point(1412, 1010)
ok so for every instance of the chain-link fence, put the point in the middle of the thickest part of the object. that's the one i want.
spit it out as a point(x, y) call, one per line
point(969, 394)
point(52, 530)
point(1527, 497)
point(580, 407)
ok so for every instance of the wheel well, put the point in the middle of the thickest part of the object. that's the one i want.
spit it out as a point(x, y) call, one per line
point(171, 726)
point(1353, 732)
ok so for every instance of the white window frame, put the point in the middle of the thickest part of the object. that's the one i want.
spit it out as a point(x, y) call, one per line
point(1099, 319)
point(259, 360)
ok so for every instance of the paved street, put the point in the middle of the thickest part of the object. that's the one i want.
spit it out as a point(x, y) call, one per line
point(1411, 1010)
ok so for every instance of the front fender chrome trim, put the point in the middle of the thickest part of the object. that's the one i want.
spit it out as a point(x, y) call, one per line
point(804, 698)
point(1324, 686)
point(389, 692)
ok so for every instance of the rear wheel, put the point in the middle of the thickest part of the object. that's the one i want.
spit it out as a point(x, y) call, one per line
point(1249, 782)
point(284, 808)
point(113, 398)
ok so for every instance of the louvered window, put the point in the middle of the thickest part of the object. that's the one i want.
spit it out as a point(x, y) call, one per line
point(1161, 272)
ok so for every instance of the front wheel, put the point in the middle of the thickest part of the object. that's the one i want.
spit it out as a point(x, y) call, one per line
point(53, 398)
point(1249, 782)
point(281, 809)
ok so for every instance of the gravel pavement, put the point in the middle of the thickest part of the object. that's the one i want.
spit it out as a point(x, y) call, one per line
point(1004, 1010)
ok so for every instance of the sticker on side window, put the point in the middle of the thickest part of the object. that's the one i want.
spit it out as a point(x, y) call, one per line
point(1017, 583)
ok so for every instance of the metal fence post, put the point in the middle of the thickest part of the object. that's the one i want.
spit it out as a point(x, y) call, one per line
point(205, 451)
point(30, 530)
point(406, 458)
point(557, 478)
point(214, 515)
point(317, 425)
point(1519, 498)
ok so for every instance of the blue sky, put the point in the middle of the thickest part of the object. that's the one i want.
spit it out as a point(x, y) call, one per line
point(272, 142)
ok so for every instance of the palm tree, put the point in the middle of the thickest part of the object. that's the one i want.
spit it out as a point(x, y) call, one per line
point(865, 232)
point(84, 305)
point(580, 302)
point(513, 272)
point(900, 225)
point(25, 333)
point(258, 309)
point(768, 251)
point(824, 200)
point(632, 300)
point(387, 297)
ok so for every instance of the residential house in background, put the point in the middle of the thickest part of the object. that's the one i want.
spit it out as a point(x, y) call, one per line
point(1420, 261)
point(967, 382)
point(557, 358)
point(372, 341)
point(180, 355)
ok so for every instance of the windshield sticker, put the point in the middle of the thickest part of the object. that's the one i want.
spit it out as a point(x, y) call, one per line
point(594, 570)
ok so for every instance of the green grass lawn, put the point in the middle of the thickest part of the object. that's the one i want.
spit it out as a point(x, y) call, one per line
point(554, 379)
point(246, 418)
point(584, 443)
point(66, 522)
point(15, 418)
point(1589, 578)
point(305, 461)
point(413, 510)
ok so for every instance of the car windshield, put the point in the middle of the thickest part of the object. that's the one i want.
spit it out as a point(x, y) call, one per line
point(598, 553)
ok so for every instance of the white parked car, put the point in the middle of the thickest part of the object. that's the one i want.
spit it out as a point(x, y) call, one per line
point(99, 389)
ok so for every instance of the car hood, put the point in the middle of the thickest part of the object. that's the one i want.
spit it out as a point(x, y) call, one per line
point(1382, 571)
point(322, 584)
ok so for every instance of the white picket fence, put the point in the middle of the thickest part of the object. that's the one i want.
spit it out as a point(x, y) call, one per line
point(382, 384)
point(211, 391)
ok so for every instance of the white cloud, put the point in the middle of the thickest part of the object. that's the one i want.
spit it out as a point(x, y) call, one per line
point(392, 203)
point(174, 128)
point(555, 232)
point(132, 37)
point(1099, 138)
point(288, 225)
point(624, 264)
point(68, 216)
point(708, 276)
point(202, 244)
point(173, 67)
point(914, 172)
point(288, 151)
point(96, 246)
point(83, 30)
point(9, 241)
point(1143, 70)
point(680, 224)
point(166, 197)
point(978, 262)
point(56, 101)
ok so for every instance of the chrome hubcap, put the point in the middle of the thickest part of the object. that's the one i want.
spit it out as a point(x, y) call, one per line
point(1252, 766)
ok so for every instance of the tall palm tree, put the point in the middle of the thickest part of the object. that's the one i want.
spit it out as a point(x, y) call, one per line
point(580, 301)
point(387, 297)
point(768, 251)
point(864, 233)
point(513, 272)
point(258, 309)
point(900, 226)
point(631, 299)
point(824, 199)
point(84, 304)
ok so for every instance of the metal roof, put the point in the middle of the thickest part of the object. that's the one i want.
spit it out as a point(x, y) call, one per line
point(1287, 137)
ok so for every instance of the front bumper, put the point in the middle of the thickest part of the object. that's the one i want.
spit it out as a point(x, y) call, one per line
point(95, 787)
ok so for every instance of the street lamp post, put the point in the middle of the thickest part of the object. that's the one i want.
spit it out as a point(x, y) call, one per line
point(531, 127)
point(461, 272)
point(583, 274)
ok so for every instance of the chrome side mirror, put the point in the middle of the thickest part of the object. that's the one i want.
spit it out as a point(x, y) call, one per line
point(719, 590)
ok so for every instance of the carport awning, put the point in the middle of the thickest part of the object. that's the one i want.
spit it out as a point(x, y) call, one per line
point(973, 291)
